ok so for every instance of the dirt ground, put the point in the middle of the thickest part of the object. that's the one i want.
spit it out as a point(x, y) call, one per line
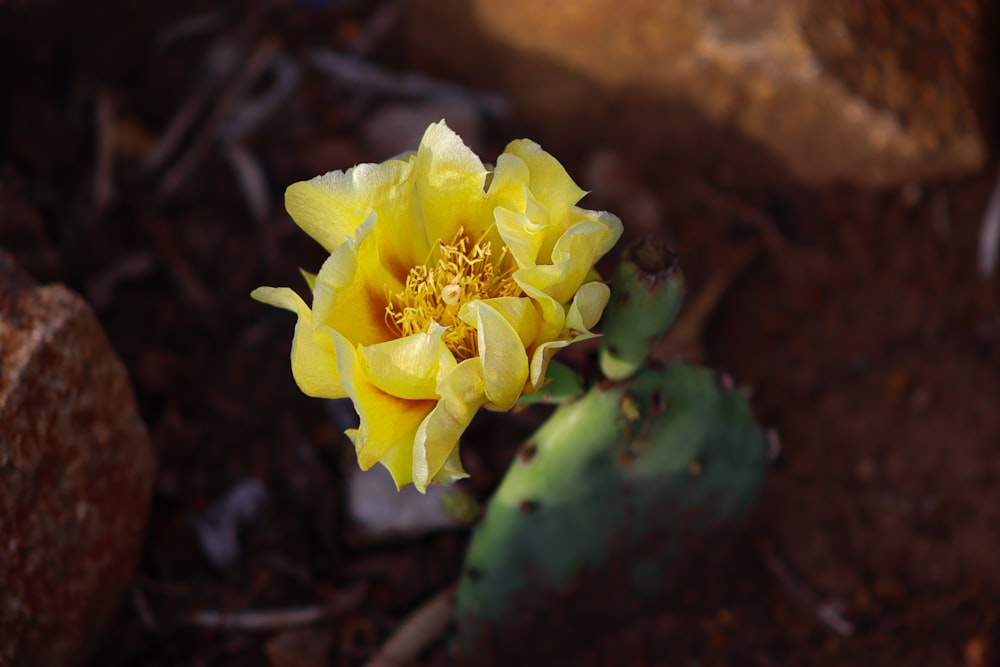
point(862, 326)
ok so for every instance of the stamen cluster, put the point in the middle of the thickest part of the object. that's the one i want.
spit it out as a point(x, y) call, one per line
point(463, 272)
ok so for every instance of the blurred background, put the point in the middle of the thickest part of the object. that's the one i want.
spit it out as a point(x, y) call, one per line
point(825, 170)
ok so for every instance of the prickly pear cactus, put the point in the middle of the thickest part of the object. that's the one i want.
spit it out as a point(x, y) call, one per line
point(619, 479)
point(629, 468)
point(648, 290)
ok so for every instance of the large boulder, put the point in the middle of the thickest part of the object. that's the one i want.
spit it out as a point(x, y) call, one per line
point(868, 92)
point(76, 474)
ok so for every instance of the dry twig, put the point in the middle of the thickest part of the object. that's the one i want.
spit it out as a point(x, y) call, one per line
point(142, 607)
point(416, 632)
point(251, 179)
point(192, 287)
point(792, 256)
point(376, 29)
point(251, 112)
point(104, 140)
point(219, 64)
point(989, 233)
point(255, 65)
point(805, 596)
point(684, 338)
point(253, 620)
point(258, 620)
point(349, 71)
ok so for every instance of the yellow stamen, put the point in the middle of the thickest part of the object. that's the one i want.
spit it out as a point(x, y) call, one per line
point(463, 272)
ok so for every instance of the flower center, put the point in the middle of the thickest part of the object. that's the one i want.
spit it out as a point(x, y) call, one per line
point(434, 293)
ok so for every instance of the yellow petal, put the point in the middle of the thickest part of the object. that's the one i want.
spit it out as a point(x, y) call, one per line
point(521, 234)
point(552, 190)
point(388, 423)
point(587, 307)
point(462, 394)
point(508, 185)
point(398, 460)
point(408, 367)
point(612, 225)
point(314, 361)
point(281, 297)
point(550, 183)
point(449, 186)
point(330, 207)
point(349, 294)
point(501, 352)
point(521, 313)
point(583, 313)
point(574, 255)
point(540, 362)
point(552, 314)
point(451, 471)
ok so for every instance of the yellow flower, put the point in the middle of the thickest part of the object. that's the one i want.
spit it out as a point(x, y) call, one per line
point(448, 288)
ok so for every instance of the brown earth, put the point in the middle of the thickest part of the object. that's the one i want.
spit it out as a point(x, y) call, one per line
point(869, 339)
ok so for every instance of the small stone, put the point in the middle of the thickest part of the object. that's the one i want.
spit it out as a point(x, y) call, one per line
point(383, 513)
point(76, 473)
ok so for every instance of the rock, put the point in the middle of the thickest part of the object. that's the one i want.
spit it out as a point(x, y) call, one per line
point(76, 473)
point(383, 513)
point(871, 93)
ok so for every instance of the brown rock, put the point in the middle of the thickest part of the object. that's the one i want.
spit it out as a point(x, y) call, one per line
point(76, 472)
point(874, 93)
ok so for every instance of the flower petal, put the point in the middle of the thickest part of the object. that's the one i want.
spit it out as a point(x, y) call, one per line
point(350, 291)
point(521, 313)
point(398, 460)
point(501, 352)
point(552, 314)
point(574, 255)
point(540, 362)
point(550, 183)
point(388, 423)
point(314, 361)
point(462, 394)
point(508, 184)
point(408, 367)
point(587, 307)
point(451, 471)
point(330, 207)
point(449, 181)
point(521, 234)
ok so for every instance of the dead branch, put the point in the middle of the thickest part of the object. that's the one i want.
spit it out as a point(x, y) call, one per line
point(416, 632)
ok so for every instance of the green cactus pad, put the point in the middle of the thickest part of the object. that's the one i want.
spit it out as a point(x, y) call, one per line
point(631, 469)
point(646, 295)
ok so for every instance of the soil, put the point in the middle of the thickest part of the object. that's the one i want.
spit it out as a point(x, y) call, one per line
point(862, 326)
